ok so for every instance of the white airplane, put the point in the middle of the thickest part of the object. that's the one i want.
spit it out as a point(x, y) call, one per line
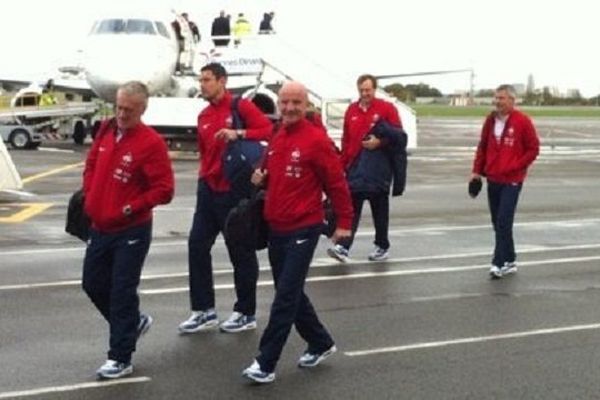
point(140, 45)
point(119, 49)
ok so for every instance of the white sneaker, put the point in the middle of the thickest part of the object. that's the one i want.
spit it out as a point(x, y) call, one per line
point(378, 254)
point(338, 252)
point(509, 268)
point(238, 322)
point(310, 360)
point(495, 272)
point(199, 321)
point(256, 374)
point(112, 369)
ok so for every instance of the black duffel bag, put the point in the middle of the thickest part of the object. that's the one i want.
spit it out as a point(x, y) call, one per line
point(78, 223)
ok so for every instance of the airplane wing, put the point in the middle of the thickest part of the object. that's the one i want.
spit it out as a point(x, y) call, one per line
point(424, 73)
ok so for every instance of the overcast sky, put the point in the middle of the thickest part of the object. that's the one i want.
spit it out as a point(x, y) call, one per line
point(503, 41)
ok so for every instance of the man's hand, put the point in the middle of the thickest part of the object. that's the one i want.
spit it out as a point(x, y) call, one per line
point(228, 135)
point(258, 177)
point(371, 142)
point(340, 234)
point(474, 176)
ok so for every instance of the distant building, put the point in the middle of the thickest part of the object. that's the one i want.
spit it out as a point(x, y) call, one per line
point(530, 84)
point(573, 94)
point(520, 88)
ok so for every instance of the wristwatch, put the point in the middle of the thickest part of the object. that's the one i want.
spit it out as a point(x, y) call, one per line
point(239, 133)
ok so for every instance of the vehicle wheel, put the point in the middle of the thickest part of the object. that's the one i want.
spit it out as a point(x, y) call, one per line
point(95, 128)
point(79, 132)
point(19, 139)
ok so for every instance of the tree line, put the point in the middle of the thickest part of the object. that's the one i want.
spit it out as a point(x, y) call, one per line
point(543, 97)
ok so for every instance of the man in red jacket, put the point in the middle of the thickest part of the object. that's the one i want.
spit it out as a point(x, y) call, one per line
point(508, 146)
point(360, 117)
point(215, 199)
point(301, 162)
point(127, 173)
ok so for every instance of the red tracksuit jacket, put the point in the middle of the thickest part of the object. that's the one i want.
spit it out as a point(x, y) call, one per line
point(218, 116)
point(507, 161)
point(301, 163)
point(358, 122)
point(135, 171)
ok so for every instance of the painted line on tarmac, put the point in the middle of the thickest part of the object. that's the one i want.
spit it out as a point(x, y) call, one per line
point(366, 275)
point(323, 263)
point(29, 210)
point(51, 172)
point(468, 340)
point(72, 388)
point(569, 223)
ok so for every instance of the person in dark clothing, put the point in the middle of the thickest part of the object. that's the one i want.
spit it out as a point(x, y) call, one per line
point(221, 27)
point(359, 119)
point(215, 199)
point(508, 146)
point(266, 26)
point(193, 27)
point(301, 163)
point(127, 173)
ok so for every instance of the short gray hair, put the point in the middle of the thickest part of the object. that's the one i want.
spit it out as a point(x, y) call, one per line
point(510, 89)
point(136, 88)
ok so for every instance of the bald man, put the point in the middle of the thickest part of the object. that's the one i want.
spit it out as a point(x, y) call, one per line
point(301, 161)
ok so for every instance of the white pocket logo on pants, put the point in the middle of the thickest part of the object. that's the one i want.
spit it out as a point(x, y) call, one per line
point(300, 241)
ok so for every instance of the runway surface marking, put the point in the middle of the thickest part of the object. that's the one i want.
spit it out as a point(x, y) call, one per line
point(27, 210)
point(327, 262)
point(366, 275)
point(71, 388)
point(51, 172)
point(361, 232)
point(468, 340)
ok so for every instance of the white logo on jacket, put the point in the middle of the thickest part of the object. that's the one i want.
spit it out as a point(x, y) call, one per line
point(293, 170)
point(295, 156)
point(127, 160)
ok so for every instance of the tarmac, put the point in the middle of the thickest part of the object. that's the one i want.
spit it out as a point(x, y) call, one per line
point(426, 324)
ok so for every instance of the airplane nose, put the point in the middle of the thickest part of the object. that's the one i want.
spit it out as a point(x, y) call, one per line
point(109, 65)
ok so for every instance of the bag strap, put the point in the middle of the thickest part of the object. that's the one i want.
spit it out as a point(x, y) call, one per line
point(237, 122)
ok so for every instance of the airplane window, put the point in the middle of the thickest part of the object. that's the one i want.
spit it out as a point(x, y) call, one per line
point(125, 26)
point(110, 26)
point(140, 26)
point(162, 29)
